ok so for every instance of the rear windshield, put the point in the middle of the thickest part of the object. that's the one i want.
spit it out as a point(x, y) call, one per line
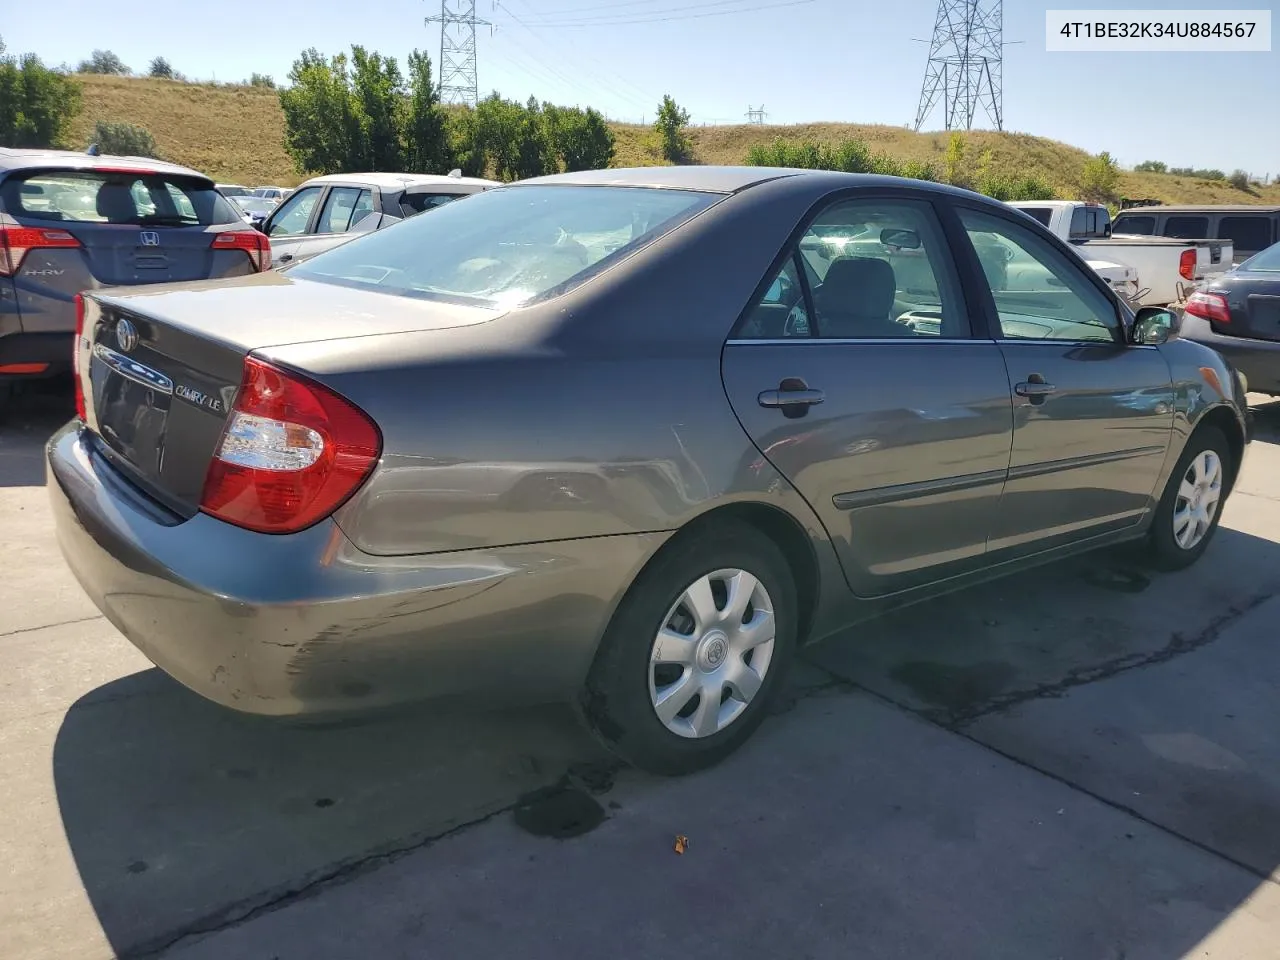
point(1268, 260)
point(140, 199)
point(507, 247)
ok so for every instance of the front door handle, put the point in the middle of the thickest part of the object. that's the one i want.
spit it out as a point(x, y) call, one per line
point(1034, 388)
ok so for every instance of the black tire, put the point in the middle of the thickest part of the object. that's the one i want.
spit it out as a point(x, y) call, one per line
point(1163, 550)
point(615, 702)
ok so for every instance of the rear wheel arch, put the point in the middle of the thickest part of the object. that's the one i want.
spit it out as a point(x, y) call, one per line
point(783, 529)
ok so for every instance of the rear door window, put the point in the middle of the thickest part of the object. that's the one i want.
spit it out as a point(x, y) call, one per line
point(1249, 234)
point(1187, 228)
point(342, 208)
point(137, 199)
point(1139, 226)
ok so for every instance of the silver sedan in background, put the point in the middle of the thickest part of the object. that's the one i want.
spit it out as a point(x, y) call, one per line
point(627, 438)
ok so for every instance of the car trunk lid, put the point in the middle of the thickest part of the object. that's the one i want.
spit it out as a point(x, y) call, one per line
point(159, 368)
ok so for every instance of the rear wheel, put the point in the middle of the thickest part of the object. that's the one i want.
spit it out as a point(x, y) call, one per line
point(1191, 506)
point(696, 650)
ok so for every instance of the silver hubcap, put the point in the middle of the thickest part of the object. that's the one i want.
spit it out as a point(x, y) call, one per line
point(1198, 498)
point(712, 654)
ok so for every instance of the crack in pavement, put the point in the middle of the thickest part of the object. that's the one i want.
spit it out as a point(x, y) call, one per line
point(49, 626)
point(1177, 646)
point(269, 901)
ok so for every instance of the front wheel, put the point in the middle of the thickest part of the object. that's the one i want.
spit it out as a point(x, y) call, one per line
point(696, 650)
point(1188, 514)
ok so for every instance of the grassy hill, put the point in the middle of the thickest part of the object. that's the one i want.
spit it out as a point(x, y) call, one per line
point(236, 134)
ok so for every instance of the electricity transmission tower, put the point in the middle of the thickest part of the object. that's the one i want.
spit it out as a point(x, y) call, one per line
point(756, 115)
point(966, 57)
point(457, 65)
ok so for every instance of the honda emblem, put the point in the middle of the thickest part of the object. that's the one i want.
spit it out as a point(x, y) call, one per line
point(149, 238)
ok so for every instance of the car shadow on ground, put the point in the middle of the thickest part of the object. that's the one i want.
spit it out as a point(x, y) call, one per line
point(26, 422)
point(183, 816)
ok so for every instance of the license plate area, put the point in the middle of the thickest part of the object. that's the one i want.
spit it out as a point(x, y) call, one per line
point(131, 402)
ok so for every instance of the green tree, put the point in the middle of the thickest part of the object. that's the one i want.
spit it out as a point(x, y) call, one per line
point(426, 136)
point(1151, 166)
point(514, 137)
point(124, 139)
point(377, 91)
point(261, 80)
point(466, 149)
point(104, 62)
point(160, 67)
point(671, 125)
point(36, 103)
point(1100, 179)
point(320, 120)
point(581, 138)
point(1240, 180)
point(954, 163)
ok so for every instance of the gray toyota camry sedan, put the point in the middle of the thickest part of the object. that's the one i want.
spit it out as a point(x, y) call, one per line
point(627, 438)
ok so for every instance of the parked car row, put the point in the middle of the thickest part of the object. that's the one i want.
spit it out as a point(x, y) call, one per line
point(72, 222)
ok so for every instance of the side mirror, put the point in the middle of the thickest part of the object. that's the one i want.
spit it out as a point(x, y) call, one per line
point(1153, 326)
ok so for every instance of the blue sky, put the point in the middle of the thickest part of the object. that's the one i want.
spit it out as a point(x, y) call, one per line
point(839, 60)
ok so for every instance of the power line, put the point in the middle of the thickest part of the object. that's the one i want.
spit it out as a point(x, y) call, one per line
point(596, 10)
point(638, 97)
point(598, 22)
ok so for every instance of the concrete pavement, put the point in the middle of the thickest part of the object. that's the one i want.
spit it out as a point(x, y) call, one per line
point(138, 819)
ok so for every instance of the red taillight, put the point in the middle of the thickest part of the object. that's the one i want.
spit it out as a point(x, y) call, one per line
point(292, 452)
point(1209, 306)
point(1187, 264)
point(255, 244)
point(75, 357)
point(15, 242)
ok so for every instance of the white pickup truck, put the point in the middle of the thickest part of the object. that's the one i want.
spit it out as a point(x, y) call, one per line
point(1168, 270)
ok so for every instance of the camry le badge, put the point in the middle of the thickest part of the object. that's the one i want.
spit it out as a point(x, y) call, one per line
point(149, 238)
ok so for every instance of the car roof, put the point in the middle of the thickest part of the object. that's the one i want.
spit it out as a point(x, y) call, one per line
point(13, 159)
point(728, 179)
point(1207, 208)
point(395, 180)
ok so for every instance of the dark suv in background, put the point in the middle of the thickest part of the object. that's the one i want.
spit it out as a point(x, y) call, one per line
point(1251, 229)
point(72, 222)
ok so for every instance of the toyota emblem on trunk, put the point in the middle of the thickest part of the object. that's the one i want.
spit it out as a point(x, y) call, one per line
point(149, 238)
point(126, 336)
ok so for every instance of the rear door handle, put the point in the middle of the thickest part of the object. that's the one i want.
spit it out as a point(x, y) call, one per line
point(791, 398)
point(1034, 388)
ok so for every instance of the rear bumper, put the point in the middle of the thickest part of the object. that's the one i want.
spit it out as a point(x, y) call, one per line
point(308, 624)
point(53, 350)
point(1258, 360)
